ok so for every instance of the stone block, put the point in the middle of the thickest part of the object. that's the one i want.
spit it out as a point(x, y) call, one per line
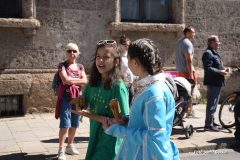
point(15, 84)
point(76, 4)
point(50, 18)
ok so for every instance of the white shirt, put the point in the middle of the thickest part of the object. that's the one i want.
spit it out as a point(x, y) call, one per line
point(125, 68)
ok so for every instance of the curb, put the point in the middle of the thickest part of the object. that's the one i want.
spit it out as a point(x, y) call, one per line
point(217, 146)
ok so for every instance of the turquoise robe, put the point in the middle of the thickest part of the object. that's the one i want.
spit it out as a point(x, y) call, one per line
point(147, 135)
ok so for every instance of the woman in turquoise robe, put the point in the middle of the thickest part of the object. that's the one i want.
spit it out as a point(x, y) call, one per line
point(147, 134)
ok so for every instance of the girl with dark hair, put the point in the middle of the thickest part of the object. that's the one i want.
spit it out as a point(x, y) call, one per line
point(105, 83)
point(147, 135)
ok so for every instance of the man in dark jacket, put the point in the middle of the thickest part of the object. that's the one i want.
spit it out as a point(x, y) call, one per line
point(214, 72)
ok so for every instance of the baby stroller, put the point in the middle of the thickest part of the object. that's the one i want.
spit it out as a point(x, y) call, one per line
point(184, 88)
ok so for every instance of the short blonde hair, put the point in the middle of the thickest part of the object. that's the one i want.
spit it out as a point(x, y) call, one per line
point(72, 46)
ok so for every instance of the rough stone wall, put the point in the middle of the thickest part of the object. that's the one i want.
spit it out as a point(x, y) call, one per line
point(220, 17)
point(82, 22)
point(85, 22)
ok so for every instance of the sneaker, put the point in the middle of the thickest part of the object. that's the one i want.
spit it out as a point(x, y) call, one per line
point(70, 149)
point(192, 115)
point(61, 155)
point(211, 128)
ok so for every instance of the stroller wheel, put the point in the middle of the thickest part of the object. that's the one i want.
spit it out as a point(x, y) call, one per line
point(188, 131)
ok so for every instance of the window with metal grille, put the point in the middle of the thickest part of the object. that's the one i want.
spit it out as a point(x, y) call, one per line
point(10, 8)
point(146, 11)
point(11, 105)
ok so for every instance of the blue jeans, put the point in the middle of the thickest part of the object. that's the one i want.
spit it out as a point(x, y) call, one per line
point(213, 95)
point(68, 119)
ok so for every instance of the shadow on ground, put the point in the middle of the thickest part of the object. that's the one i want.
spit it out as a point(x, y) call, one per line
point(202, 129)
point(76, 140)
point(237, 148)
point(25, 156)
point(228, 142)
point(223, 140)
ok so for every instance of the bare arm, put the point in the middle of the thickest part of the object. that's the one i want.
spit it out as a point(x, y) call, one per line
point(70, 80)
point(80, 81)
point(189, 60)
point(92, 116)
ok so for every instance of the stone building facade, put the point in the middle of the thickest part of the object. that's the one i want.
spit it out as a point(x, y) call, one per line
point(32, 46)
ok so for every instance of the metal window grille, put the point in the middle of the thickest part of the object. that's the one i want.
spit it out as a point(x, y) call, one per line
point(10, 8)
point(11, 105)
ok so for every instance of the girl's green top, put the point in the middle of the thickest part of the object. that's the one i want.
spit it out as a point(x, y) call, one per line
point(102, 146)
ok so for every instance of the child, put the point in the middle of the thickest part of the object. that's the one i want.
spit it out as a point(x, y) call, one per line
point(105, 83)
point(147, 135)
point(72, 78)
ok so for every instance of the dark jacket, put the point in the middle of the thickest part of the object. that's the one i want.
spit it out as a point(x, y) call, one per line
point(212, 64)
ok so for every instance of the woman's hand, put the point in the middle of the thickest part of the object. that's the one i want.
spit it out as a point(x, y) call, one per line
point(223, 72)
point(107, 122)
point(82, 112)
point(80, 102)
point(92, 116)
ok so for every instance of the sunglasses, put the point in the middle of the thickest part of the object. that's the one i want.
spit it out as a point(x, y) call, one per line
point(70, 51)
point(105, 42)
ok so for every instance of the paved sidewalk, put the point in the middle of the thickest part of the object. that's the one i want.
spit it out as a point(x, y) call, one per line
point(201, 139)
point(36, 137)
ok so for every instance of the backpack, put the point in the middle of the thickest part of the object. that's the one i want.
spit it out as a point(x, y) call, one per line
point(56, 82)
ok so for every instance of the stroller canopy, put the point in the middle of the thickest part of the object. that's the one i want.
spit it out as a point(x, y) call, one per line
point(183, 83)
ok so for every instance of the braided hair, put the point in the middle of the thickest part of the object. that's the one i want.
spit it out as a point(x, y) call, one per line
point(147, 53)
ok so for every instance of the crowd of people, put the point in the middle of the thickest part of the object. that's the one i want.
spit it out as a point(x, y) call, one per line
point(131, 73)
